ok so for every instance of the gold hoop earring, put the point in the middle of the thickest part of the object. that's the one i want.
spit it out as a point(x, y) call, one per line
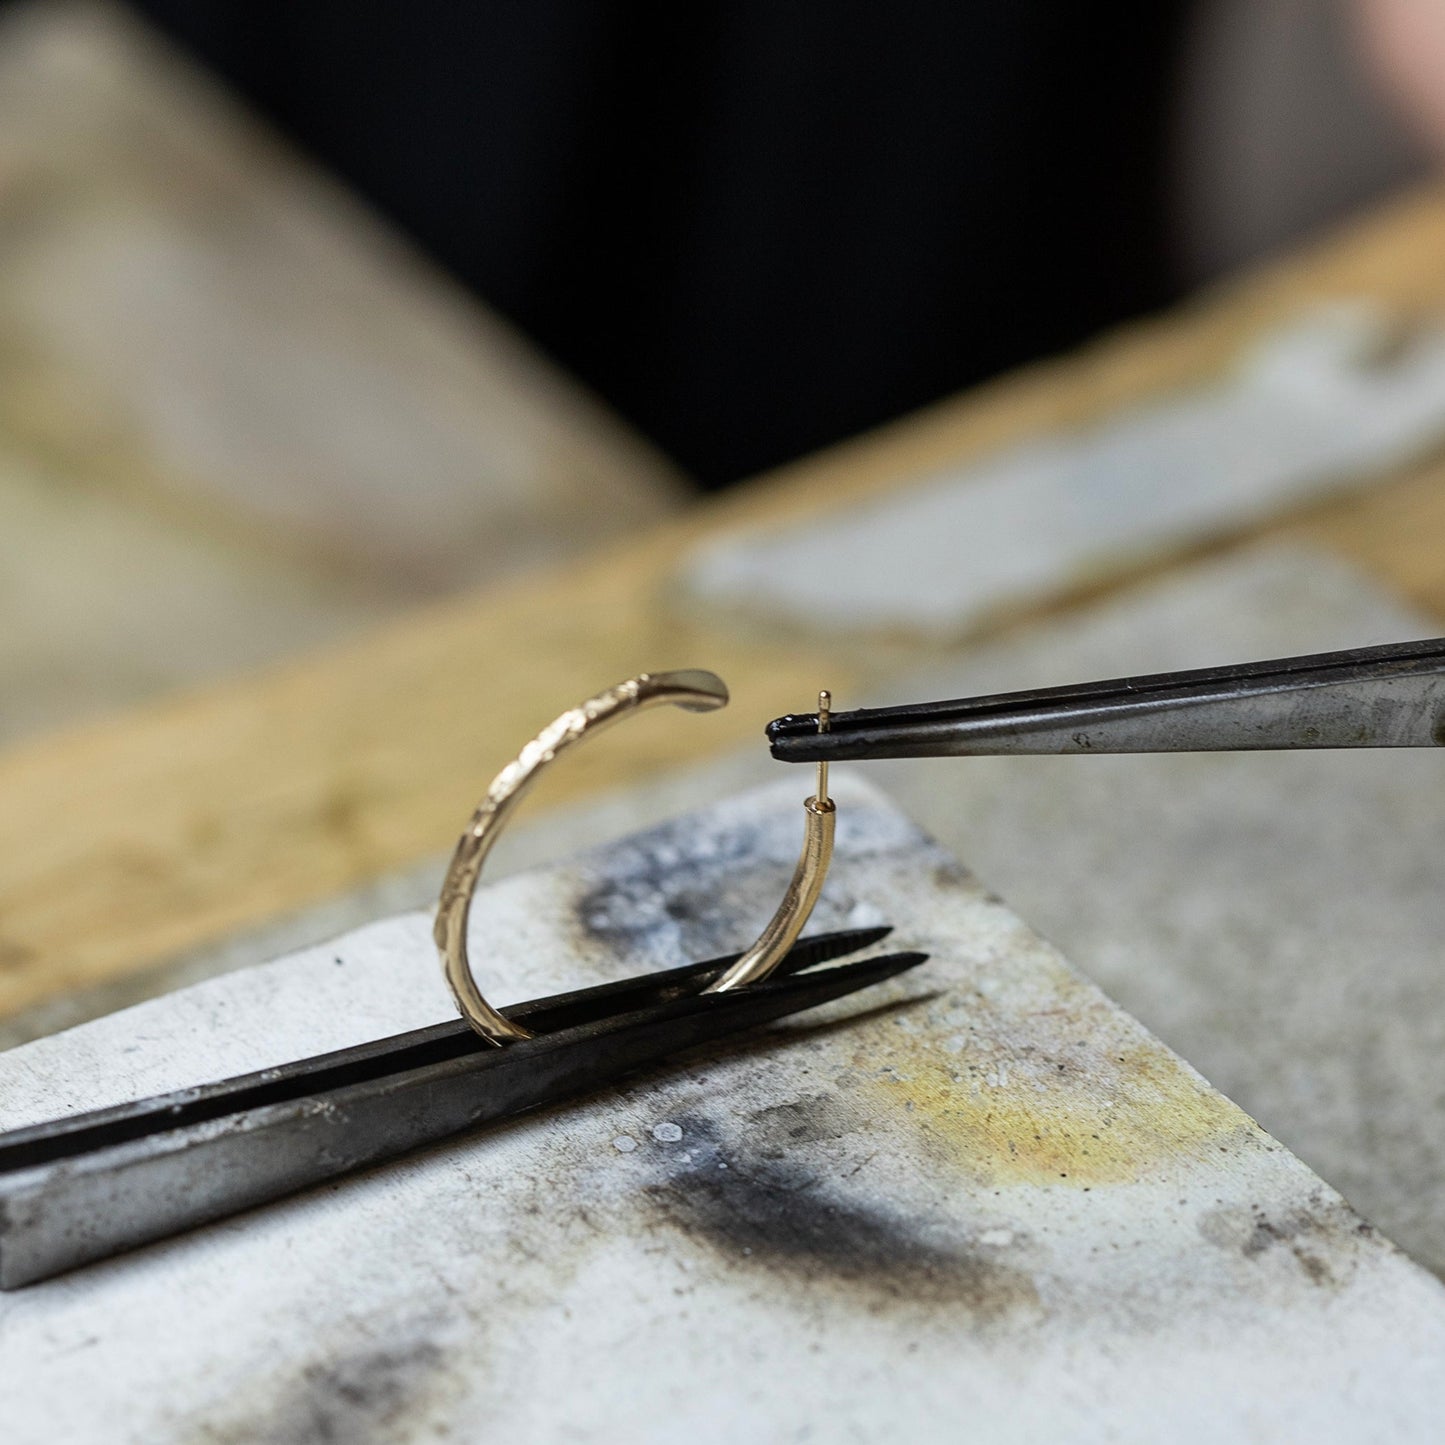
point(694, 691)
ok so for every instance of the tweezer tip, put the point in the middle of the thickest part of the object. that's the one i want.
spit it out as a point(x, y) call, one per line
point(792, 722)
point(845, 978)
point(890, 965)
point(823, 947)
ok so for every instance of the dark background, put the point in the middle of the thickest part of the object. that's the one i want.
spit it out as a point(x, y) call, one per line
point(754, 227)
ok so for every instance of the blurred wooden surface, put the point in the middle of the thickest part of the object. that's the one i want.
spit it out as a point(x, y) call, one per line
point(129, 840)
point(237, 416)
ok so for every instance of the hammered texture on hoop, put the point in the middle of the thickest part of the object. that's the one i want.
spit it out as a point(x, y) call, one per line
point(695, 691)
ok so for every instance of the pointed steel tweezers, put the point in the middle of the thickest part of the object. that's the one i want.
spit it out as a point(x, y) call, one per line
point(83, 1188)
point(1368, 697)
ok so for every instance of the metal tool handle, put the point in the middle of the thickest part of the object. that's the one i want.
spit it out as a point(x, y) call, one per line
point(1373, 697)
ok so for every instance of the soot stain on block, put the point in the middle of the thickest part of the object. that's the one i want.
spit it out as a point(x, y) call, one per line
point(661, 889)
point(1323, 1235)
point(656, 886)
point(765, 1211)
point(779, 1127)
point(357, 1398)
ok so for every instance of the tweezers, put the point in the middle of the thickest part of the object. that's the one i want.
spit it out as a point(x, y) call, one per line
point(92, 1185)
point(1370, 697)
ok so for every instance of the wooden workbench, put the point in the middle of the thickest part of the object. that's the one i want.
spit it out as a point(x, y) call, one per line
point(125, 842)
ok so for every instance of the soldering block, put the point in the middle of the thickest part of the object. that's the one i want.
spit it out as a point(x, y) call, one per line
point(980, 1200)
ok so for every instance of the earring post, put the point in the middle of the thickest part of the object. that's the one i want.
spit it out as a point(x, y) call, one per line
point(825, 710)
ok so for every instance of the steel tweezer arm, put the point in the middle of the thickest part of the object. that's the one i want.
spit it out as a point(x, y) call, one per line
point(1371, 697)
point(91, 1185)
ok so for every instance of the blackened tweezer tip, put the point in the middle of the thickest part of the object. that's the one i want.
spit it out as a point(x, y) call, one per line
point(95, 1186)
